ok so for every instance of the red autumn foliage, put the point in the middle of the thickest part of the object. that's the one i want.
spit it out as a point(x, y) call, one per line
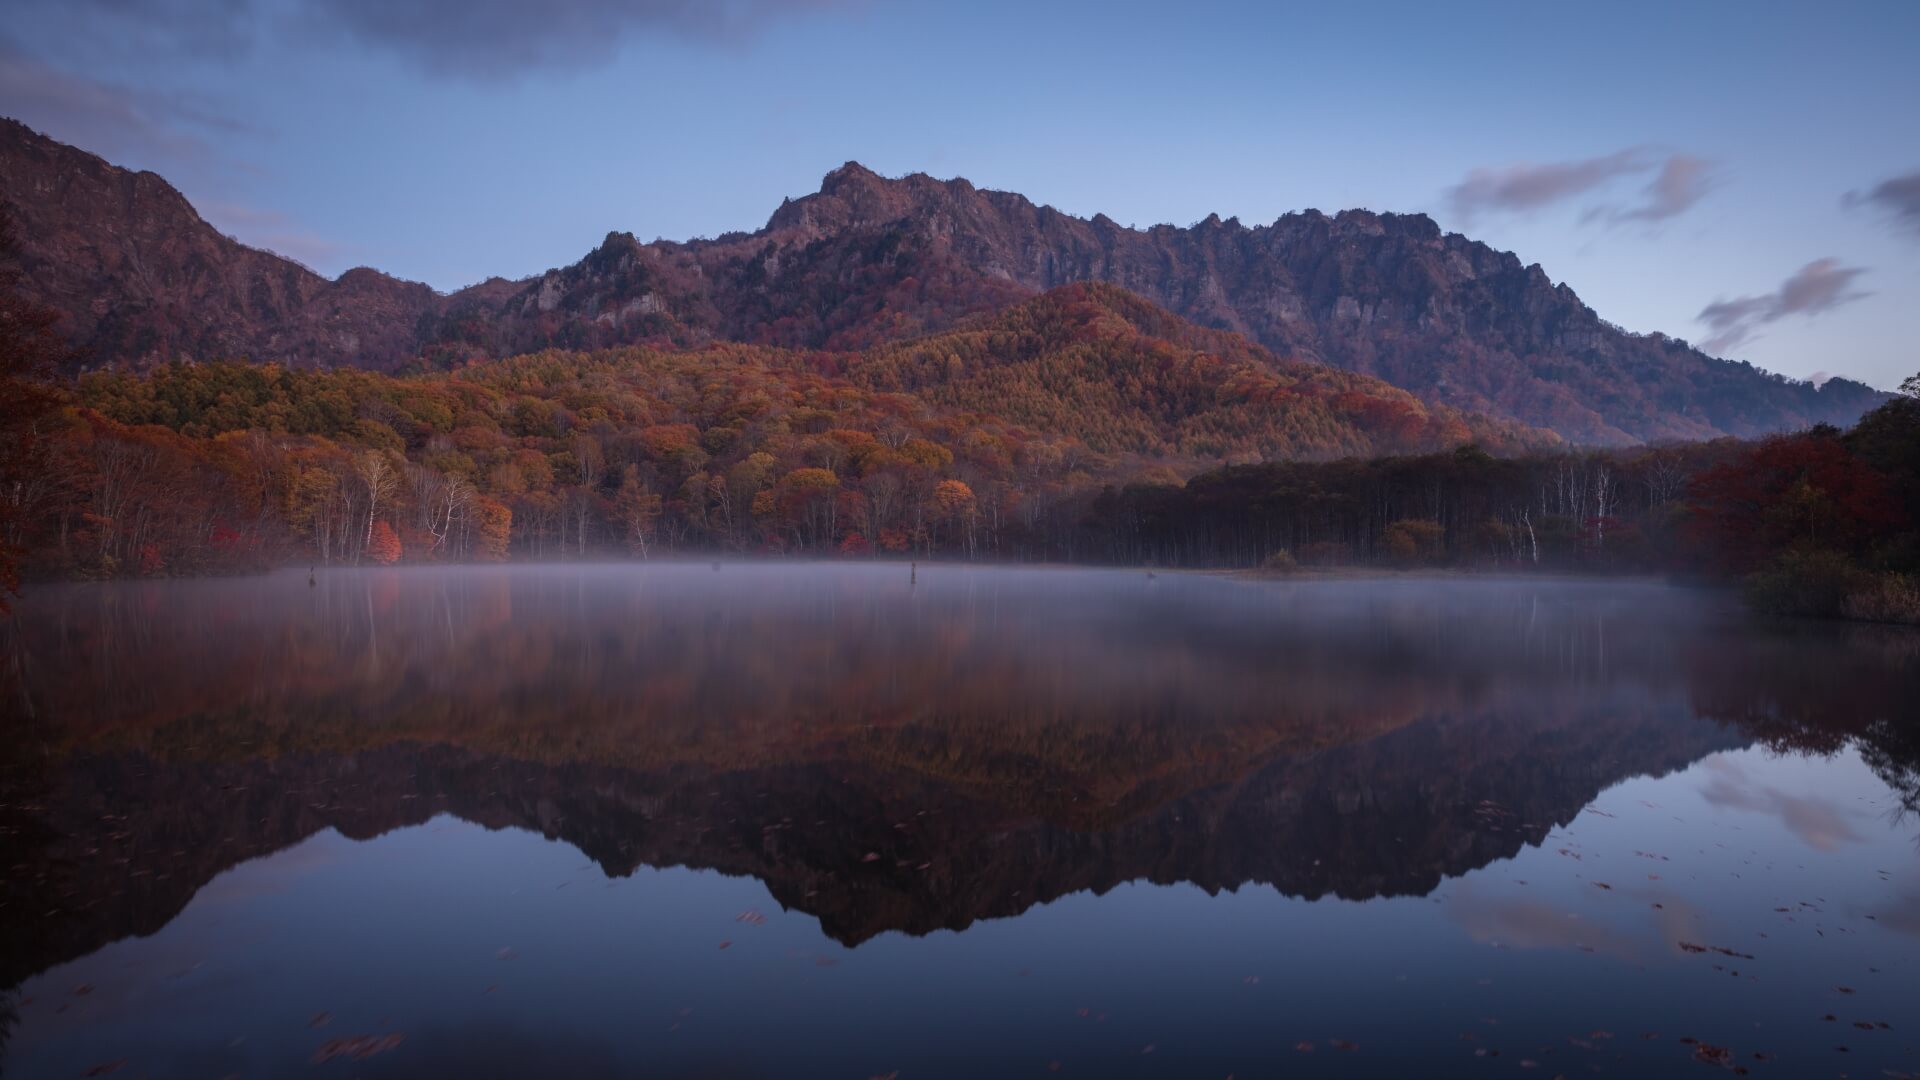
point(383, 545)
point(1789, 491)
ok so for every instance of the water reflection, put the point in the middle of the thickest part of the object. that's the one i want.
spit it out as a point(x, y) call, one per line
point(895, 757)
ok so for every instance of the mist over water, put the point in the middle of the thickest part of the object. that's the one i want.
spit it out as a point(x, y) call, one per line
point(848, 819)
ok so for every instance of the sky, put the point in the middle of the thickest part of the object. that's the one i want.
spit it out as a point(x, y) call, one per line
point(1743, 175)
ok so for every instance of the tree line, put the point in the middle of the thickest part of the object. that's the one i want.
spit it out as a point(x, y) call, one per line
point(1821, 521)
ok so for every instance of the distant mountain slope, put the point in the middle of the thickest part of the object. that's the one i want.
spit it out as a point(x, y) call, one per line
point(1100, 364)
point(141, 278)
point(868, 261)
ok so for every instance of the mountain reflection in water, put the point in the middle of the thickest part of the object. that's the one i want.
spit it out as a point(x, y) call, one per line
point(886, 755)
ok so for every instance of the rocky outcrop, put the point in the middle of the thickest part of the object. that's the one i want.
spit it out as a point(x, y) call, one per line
point(1388, 295)
point(867, 261)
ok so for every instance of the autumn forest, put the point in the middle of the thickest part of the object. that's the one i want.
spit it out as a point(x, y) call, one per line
point(1070, 428)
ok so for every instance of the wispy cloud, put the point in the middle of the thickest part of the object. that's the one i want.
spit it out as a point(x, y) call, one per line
point(147, 127)
point(1531, 185)
point(275, 232)
point(1821, 285)
point(1678, 181)
point(1682, 181)
point(1898, 197)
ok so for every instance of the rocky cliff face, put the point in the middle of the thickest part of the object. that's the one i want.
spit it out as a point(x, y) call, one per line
point(142, 279)
point(1388, 295)
point(867, 261)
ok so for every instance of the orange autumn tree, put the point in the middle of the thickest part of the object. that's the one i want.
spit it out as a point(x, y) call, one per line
point(383, 544)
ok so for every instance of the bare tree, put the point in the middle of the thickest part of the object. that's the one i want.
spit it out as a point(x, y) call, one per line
point(376, 473)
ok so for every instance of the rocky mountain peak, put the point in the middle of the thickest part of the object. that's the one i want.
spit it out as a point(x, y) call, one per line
point(866, 260)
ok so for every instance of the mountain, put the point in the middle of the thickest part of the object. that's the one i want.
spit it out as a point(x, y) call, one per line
point(869, 261)
point(139, 277)
point(1383, 294)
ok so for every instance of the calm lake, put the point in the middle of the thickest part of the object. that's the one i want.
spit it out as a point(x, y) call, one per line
point(789, 820)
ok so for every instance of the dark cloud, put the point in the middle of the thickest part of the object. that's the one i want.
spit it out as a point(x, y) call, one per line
point(96, 30)
point(1821, 285)
point(1898, 197)
point(474, 39)
point(495, 39)
point(1678, 182)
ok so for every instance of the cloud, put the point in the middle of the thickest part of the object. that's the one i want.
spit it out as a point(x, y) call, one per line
point(1682, 181)
point(275, 232)
point(1821, 285)
point(1678, 182)
point(122, 29)
point(1898, 197)
point(482, 40)
point(488, 40)
point(1530, 186)
point(147, 127)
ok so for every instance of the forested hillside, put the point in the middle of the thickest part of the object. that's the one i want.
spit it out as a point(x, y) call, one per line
point(983, 443)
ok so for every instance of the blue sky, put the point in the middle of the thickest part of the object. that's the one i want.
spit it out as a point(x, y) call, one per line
point(1758, 164)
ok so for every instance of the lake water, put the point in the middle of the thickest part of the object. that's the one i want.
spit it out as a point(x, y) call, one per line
point(788, 820)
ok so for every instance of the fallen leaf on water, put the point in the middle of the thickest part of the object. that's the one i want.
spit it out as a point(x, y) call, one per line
point(1303, 1047)
point(320, 1020)
point(108, 1067)
point(1707, 1054)
point(356, 1047)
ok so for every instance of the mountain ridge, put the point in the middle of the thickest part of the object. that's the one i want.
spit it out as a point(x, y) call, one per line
point(868, 261)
